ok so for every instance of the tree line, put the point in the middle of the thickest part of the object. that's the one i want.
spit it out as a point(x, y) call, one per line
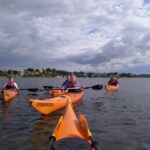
point(52, 72)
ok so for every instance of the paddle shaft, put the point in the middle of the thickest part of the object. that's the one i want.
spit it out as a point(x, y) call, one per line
point(51, 143)
point(95, 87)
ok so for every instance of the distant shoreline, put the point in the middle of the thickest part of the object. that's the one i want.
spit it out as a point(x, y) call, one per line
point(48, 72)
point(65, 76)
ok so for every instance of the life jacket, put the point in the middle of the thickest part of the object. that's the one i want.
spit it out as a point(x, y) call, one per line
point(113, 82)
point(10, 85)
point(72, 85)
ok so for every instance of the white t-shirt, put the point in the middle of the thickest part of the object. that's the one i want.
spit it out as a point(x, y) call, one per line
point(15, 84)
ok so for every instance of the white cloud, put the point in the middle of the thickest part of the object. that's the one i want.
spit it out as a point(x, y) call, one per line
point(91, 35)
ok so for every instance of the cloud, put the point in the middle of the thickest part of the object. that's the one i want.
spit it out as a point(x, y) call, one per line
point(75, 35)
point(110, 51)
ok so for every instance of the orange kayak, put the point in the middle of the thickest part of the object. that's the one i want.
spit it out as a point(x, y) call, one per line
point(111, 87)
point(8, 95)
point(59, 92)
point(48, 106)
point(56, 92)
point(69, 126)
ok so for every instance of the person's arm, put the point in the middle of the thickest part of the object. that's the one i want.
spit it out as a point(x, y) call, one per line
point(16, 86)
point(4, 86)
point(64, 83)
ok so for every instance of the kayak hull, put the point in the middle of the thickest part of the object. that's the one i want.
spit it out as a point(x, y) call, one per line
point(111, 87)
point(48, 106)
point(8, 95)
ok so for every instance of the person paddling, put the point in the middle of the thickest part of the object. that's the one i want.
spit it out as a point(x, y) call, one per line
point(74, 85)
point(113, 81)
point(66, 82)
point(10, 84)
point(73, 82)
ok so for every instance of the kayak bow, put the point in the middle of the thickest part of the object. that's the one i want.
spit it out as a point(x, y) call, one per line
point(69, 126)
point(8, 95)
point(111, 87)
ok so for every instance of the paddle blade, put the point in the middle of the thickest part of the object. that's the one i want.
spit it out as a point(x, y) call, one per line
point(74, 90)
point(33, 90)
point(97, 87)
point(47, 87)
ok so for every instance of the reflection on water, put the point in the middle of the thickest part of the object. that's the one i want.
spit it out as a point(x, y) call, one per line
point(118, 120)
point(5, 113)
point(5, 106)
point(43, 128)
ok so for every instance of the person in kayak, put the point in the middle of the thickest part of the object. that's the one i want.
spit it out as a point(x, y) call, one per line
point(11, 84)
point(113, 81)
point(73, 85)
point(73, 82)
point(66, 82)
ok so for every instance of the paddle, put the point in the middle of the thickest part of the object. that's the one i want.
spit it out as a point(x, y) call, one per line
point(7, 89)
point(94, 87)
point(36, 89)
point(31, 89)
point(48, 87)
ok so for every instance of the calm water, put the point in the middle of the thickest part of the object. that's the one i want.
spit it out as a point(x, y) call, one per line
point(118, 120)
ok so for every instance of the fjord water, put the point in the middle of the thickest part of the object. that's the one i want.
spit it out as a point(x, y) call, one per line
point(118, 120)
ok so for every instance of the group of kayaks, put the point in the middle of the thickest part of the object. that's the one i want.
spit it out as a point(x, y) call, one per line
point(69, 125)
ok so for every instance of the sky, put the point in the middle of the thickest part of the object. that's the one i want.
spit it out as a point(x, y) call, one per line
point(76, 35)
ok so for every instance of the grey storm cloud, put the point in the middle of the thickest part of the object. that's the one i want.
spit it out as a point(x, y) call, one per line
point(34, 8)
point(74, 34)
point(110, 51)
point(20, 37)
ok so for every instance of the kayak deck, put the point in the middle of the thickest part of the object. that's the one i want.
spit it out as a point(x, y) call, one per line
point(56, 92)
